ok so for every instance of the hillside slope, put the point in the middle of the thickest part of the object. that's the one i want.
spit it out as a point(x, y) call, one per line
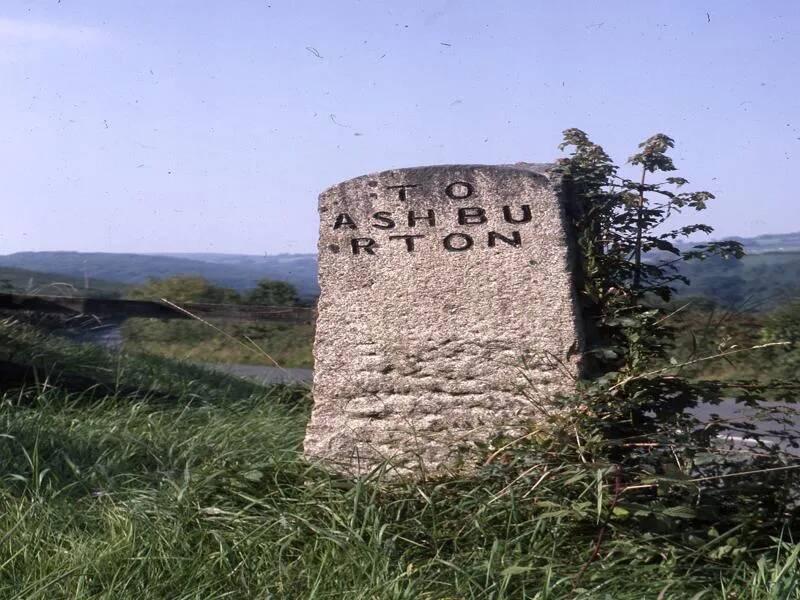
point(768, 275)
point(138, 268)
point(17, 280)
point(756, 282)
point(771, 242)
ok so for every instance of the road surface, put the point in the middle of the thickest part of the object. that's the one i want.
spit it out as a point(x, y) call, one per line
point(264, 375)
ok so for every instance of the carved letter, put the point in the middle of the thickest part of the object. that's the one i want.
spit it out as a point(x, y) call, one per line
point(365, 244)
point(448, 242)
point(412, 218)
point(385, 218)
point(471, 216)
point(458, 190)
point(515, 240)
point(409, 240)
point(526, 214)
point(402, 193)
point(344, 220)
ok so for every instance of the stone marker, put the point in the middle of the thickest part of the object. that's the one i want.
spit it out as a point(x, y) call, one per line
point(447, 315)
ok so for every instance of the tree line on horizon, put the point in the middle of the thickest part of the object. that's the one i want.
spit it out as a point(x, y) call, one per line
point(193, 288)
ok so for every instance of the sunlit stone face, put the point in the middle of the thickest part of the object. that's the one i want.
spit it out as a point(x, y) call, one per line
point(447, 315)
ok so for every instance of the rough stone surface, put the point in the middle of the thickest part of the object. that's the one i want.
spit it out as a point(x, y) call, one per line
point(427, 347)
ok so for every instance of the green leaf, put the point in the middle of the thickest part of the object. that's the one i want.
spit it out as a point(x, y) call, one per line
point(680, 512)
point(515, 570)
point(254, 475)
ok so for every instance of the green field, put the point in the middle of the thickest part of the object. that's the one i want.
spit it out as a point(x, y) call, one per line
point(139, 477)
point(13, 279)
point(288, 344)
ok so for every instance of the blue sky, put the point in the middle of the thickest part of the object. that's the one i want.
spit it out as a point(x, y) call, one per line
point(145, 126)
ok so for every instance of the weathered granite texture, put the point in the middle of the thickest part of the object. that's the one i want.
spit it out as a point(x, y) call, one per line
point(427, 346)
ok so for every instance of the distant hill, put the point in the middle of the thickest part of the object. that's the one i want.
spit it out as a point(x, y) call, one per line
point(759, 281)
point(767, 276)
point(34, 282)
point(772, 242)
point(236, 271)
point(763, 279)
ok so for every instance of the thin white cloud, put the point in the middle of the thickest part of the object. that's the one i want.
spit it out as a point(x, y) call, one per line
point(14, 30)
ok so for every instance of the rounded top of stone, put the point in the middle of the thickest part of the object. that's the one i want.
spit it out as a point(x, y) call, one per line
point(543, 170)
point(540, 168)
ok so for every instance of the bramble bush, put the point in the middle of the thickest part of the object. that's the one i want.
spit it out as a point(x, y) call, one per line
point(636, 427)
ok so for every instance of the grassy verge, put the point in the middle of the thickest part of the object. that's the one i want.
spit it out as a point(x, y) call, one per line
point(139, 477)
point(288, 344)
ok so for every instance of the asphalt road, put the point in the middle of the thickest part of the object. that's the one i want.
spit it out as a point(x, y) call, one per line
point(264, 375)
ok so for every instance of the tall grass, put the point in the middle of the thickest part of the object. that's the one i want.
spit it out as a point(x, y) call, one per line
point(194, 487)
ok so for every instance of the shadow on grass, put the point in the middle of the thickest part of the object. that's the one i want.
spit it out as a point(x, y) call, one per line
point(30, 356)
point(142, 378)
